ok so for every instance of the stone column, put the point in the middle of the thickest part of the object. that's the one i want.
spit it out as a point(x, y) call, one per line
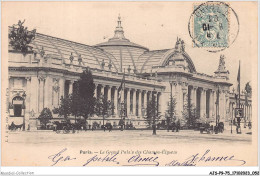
point(185, 96)
point(212, 109)
point(154, 98)
point(115, 100)
point(95, 92)
point(102, 91)
point(174, 90)
point(128, 102)
point(109, 93)
point(195, 97)
point(134, 102)
point(41, 95)
point(139, 103)
point(210, 104)
point(227, 112)
point(148, 93)
point(179, 97)
point(214, 102)
point(62, 85)
point(145, 102)
point(27, 103)
point(159, 102)
point(191, 96)
point(203, 104)
point(223, 106)
point(71, 87)
point(47, 93)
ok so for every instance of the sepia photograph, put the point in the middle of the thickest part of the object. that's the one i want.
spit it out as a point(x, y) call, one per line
point(129, 84)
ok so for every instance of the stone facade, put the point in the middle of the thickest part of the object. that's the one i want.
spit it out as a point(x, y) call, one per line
point(40, 78)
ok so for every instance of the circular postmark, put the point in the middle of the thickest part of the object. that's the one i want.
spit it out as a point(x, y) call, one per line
point(213, 26)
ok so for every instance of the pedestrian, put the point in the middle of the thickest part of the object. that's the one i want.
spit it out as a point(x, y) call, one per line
point(110, 127)
point(178, 125)
point(154, 129)
point(249, 125)
point(173, 126)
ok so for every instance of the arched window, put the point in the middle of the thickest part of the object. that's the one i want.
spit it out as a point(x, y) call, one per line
point(18, 104)
point(171, 62)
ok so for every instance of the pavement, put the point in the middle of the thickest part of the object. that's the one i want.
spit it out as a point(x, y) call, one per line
point(127, 137)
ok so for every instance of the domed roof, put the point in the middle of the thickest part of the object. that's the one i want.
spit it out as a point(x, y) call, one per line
point(149, 59)
point(162, 58)
point(125, 52)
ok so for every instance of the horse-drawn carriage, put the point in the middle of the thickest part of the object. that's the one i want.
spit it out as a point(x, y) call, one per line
point(206, 127)
point(66, 126)
point(107, 126)
point(14, 127)
point(219, 128)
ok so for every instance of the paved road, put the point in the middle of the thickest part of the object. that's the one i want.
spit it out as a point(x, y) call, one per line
point(124, 138)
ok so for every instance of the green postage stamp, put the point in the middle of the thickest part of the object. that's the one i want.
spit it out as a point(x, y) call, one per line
point(211, 25)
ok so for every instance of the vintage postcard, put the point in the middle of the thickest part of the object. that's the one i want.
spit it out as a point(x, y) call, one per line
point(129, 84)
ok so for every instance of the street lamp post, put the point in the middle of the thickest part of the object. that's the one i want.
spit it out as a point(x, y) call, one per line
point(171, 113)
point(24, 97)
point(122, 111)
point(232, 118)
point(217, 110)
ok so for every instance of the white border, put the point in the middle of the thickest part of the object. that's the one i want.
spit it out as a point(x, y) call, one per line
point(114, 171)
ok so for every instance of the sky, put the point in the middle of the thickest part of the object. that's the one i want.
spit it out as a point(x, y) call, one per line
point(155, 25)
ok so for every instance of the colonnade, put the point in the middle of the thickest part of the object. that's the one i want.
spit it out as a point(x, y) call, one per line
point(134, 99)
point(46, 92)
point(202, 99)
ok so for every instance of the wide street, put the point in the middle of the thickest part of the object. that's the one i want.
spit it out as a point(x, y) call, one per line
point(127, 137)
point(41, 146)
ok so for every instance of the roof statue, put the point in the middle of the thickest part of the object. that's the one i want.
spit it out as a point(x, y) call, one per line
point(222, 71)
point(42, 52)
point(221, 65)
point(180, 45)
point(80, 59)
point(71, 57)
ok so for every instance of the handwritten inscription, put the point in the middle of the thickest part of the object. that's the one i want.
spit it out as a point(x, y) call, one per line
point(107, 158)
point(58, 157)
point(138, 160)
point(146, 160)
point(206, 158)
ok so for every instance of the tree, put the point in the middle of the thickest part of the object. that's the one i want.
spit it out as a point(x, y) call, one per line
point(20, 37)
point(248, 88)
point(248, 93)
point(169, 114)
point(75, 102)
point(86, 88)
point(189, 114)
point(152, 114)
point(103, 108)
point(45, 116)
point(65, 107)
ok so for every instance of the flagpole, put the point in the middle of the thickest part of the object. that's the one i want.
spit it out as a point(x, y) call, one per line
point(125, 109)
point(238, 119)
point(239, 87)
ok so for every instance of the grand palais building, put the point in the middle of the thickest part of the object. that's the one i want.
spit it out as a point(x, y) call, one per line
point(40, 79)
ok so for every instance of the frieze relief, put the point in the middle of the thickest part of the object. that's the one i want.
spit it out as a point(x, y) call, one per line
point(41, 78)
point(56, 86)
